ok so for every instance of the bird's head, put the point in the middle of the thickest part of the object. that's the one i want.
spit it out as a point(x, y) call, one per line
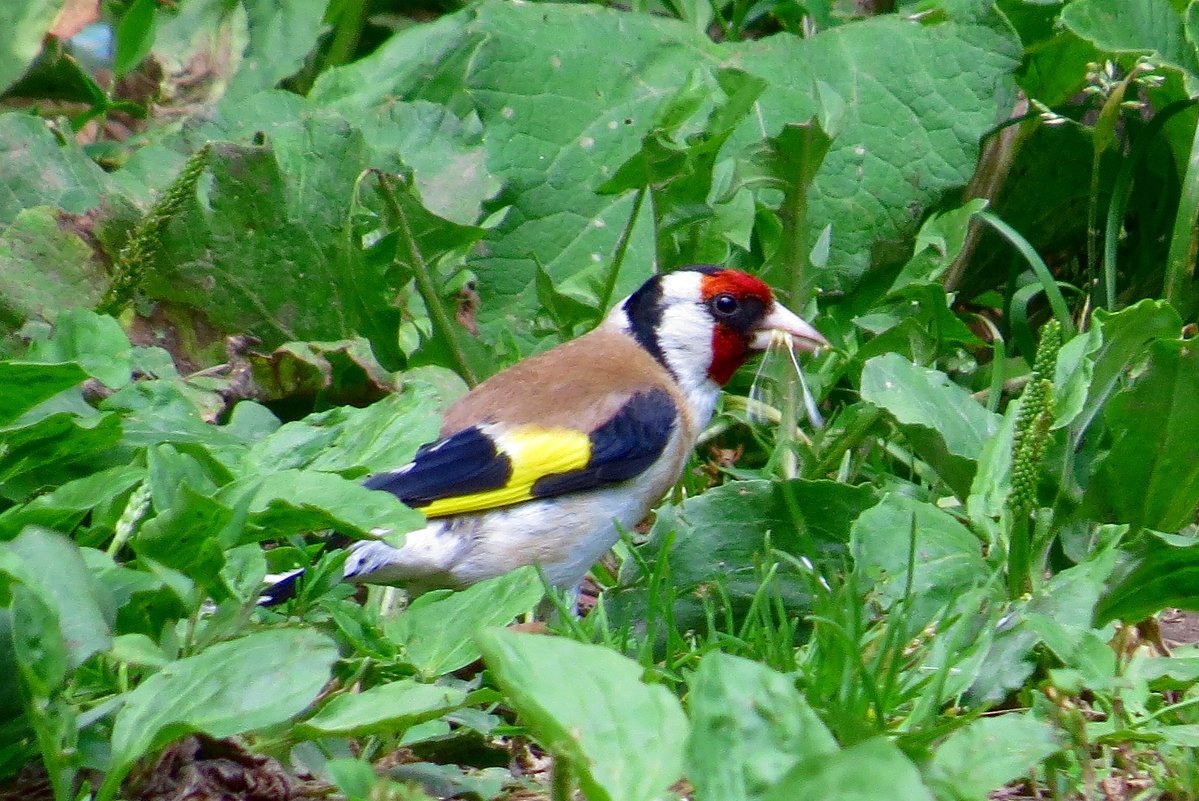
point(703, 322)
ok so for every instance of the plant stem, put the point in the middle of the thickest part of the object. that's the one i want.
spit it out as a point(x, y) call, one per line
point(561, 780)
point(622, 248)
point(1048, 284)
point(788, 423)
point(795, 237)
point(1118, 203)
point(443, 325)
point(1019, 552)
point(1184, 242)
point(347, 32)
point(848, 440)
point(1093, 222)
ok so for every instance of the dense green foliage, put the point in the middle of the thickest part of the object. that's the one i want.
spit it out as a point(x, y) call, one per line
point(250, 255)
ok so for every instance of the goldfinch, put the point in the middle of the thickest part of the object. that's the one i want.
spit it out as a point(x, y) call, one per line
point(542, 462)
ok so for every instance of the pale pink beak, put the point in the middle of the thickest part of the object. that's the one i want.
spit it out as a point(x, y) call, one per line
point(782, 319)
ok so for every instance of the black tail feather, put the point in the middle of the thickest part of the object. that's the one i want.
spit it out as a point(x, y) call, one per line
point(288, 587)
point(282, 590)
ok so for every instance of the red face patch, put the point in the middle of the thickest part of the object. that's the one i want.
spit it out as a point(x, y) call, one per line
point(729, 351)
point(736, 283)
point(748, 299)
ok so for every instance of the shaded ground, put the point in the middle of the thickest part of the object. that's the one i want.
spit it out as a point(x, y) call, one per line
point(1178, 627)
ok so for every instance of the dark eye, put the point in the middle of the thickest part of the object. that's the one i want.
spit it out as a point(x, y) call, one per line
point(725, 305)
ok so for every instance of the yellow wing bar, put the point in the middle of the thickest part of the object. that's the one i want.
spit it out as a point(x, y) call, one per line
point(533, 453)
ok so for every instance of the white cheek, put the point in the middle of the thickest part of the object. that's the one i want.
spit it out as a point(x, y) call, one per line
point(685, 338)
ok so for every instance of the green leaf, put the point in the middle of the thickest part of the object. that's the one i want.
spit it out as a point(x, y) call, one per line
point(95, 342)
point(1161, 574)
point(948, 559)
point(25, 24)
point(354, 777)
point(946, 426)
point(247, 46)
point(1150, 477)
point(50, 566)
point(992, 481)
point(446, 154)
point(298, 501)
point(187, 535)
point(53, 450)
point(1126, 336)
point(722, 535)
point(41, 652)
point(37, 170)
point(27, 384)
point(12, 702)
point(39, 645)
point(1133, 26)
point(1074, 375)
point(45, 267)
point(793, 159)
point(281, 35)
point(383, 436)
point(749, 726)
point(274, 226)
point(622, 738)
point(877, 166)
point(590, 113)
point(436, 632)
point(172, 410)
point(343, 372)
point(987, 753)
point(1088, 656)
point(451, 781)
point(138, 649)
point(564, 310)
point(677, 162)
point(170, 470)
point(1069, 599)
point(64, 508)
point(388, 709)
point(874, 770)
point(938, 244)
point(249, 683)
point(134, 37)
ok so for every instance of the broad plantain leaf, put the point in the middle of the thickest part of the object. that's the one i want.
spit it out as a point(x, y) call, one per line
point(1161, 573)
point(436, 632)
point(26, 384)
point(1134, 26)
point(986, 754)
point(624, 739)
point(1150, 477)
point(874, 770)
point(46, 268)
point(50, 567)
point(947, 427)
point(947, 561)
point(255, 681)
point(749, 726)
point(386, 709)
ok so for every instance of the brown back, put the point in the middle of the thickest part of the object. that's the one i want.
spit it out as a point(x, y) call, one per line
point(579, 384)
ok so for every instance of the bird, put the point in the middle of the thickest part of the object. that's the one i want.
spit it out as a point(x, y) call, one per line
point(546, 461)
